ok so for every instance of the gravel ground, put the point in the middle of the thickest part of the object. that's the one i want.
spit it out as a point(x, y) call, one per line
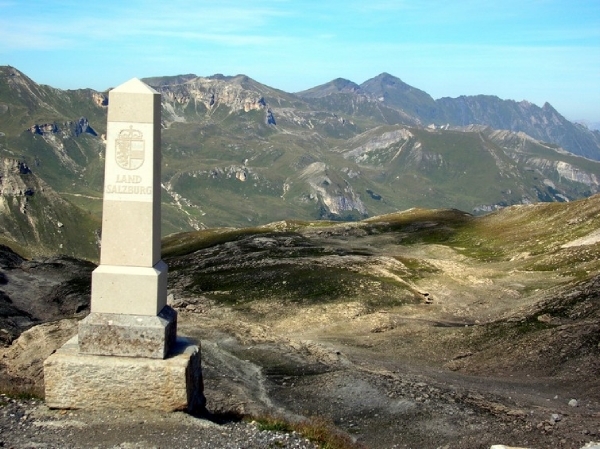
point(30, 424)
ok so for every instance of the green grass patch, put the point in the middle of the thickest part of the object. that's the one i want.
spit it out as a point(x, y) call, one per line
point(418, 267)
point(318, 430)
point(273, 424)
point(189, 242)
point(20, 391)
point(288, 282)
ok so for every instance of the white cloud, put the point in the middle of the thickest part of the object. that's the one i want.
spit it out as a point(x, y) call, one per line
point(19, 36)
point(221, 22)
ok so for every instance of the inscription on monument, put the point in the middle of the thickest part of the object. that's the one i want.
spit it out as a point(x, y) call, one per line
point(128, 190)
point(128, 184)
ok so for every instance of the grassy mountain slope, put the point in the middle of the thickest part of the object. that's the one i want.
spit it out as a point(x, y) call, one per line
point(295, 166)
point(37, 221)
point(239, 153)
point(52, 174)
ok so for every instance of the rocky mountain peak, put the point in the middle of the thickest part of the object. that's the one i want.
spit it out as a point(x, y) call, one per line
point(338, 85)
point(386, 78)
point(396, 94)
point(21, 88)
point(383, 81)
point(13, 75)
point(345, 85)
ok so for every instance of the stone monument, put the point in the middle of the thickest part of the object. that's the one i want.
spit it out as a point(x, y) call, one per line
point(127, 347)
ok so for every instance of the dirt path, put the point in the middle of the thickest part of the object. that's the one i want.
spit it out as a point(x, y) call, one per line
point(377, 390)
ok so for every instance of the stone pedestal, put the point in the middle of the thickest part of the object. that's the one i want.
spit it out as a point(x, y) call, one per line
point(129, 335)
point(80, 381)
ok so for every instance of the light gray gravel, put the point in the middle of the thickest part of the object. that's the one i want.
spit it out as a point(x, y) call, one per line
point(30, 424)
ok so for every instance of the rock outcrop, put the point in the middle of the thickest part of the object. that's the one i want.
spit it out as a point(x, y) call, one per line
point(336, 196)
point(66, 129)
point(12, 182)
point(206, 95)
point(24, 358)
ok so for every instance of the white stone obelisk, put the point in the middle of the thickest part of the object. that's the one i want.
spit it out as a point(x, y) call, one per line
point(127, 354)
point(127, 280)
point(129, 315)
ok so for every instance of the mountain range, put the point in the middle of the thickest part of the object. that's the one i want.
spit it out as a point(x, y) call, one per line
point(239, 153)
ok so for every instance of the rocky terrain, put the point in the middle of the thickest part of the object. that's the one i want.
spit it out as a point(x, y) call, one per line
point(425, 328)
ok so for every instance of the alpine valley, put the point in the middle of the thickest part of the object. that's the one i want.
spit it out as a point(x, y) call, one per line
point(237, 153)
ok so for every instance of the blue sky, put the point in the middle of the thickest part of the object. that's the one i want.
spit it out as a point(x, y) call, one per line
point(536, 50)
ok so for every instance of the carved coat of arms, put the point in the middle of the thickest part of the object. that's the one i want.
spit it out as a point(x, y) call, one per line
point(130, 149)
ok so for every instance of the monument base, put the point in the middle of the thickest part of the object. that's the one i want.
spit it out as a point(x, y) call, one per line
point(82, 381)
point(129, 335)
